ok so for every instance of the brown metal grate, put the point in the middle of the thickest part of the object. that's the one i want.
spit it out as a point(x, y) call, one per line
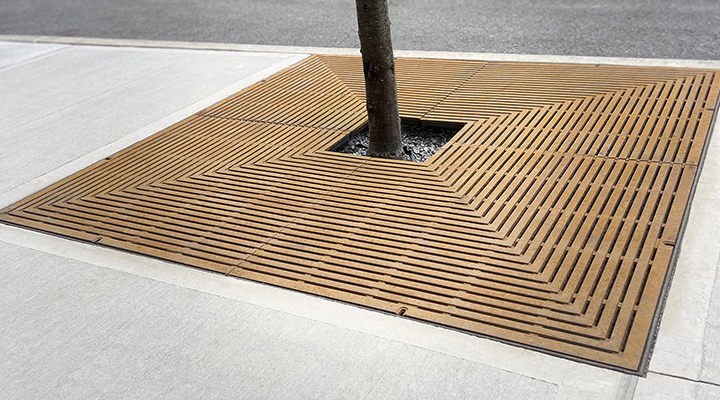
point(550, 220)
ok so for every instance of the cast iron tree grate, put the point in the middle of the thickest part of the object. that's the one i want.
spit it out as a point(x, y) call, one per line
point(549, 220)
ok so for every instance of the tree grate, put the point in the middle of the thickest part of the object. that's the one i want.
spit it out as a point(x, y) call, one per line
point(549, 220)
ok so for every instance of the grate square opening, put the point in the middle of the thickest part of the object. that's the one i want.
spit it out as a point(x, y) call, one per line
point(421, 140)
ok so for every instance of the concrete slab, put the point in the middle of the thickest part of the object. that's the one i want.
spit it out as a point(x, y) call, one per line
point(711, 341)
point(90, 311)
point(459, 351)
point(709, 184)
point(682, 344)
point(420, 374)
point(262, 353)
point(447, 55)
point(12, 54)
point(10, 259)
point(118, 335)
point(67, 104)
point(662, 387)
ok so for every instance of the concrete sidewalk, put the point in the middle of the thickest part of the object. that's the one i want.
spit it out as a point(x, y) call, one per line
point(82, 321)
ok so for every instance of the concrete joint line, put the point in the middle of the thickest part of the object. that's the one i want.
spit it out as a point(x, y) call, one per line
point(568, 375)
point(40, 56)
point(626, 389)
point(641, 62)
point(85, 161)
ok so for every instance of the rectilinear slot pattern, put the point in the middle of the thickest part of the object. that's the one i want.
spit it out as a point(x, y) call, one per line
point(550, 220)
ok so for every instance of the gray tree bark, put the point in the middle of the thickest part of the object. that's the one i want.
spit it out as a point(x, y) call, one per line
point(380, 88)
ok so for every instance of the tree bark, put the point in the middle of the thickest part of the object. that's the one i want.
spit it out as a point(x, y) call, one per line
point(380, 88)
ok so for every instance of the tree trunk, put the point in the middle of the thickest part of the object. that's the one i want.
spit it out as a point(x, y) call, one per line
point(380, 87)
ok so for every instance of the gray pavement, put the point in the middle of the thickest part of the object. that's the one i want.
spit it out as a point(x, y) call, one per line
point(687, 29)
point(119, 336)
point(83, 321)
point(137, 86)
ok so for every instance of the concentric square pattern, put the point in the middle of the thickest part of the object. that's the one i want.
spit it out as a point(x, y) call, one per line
point(551, 220)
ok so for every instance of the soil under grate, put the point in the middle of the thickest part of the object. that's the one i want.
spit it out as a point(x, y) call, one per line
point(419, 142)
point(551, 220)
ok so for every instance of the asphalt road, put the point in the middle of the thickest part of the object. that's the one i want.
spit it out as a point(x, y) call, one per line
point(688, 29)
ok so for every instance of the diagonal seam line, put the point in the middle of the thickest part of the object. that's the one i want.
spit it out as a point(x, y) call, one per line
point(299, 215)
point(485, 64)
point(344, 84)
point(686, 379)
point(37, 57)
point(158, 362)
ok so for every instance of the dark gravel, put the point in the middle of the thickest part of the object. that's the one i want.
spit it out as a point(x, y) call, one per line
point(419, 142)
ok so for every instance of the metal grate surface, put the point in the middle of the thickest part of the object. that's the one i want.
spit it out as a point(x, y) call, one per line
point(550, 220)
